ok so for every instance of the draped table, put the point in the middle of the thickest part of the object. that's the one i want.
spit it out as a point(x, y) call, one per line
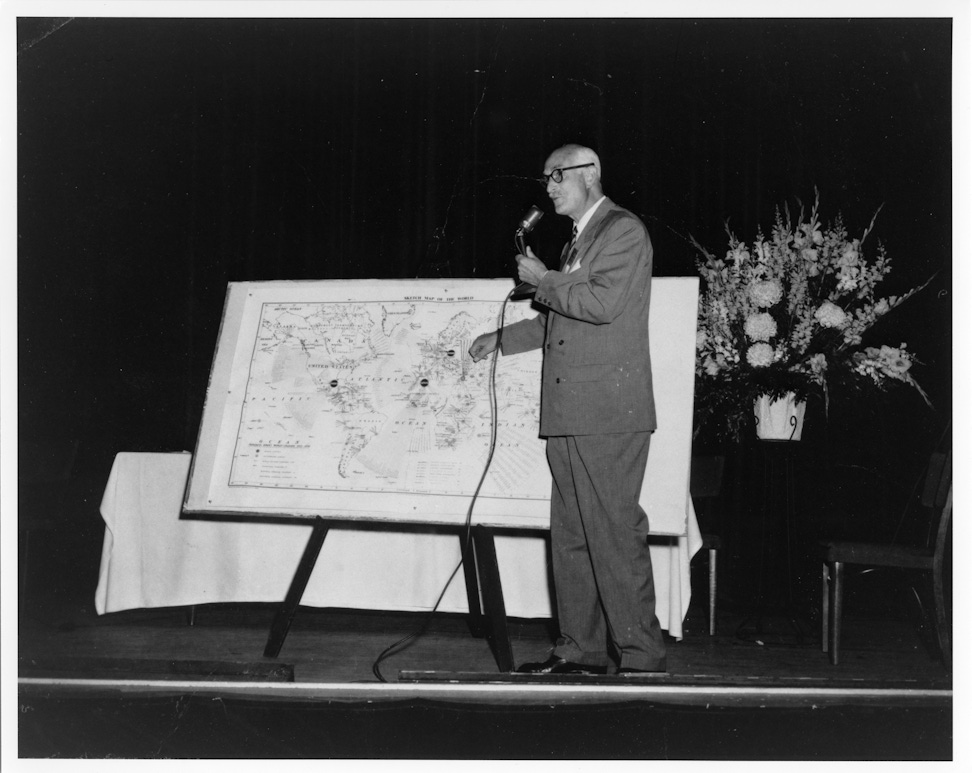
point(153, 557)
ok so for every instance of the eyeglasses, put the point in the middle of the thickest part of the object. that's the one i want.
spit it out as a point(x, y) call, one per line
point(557, 175)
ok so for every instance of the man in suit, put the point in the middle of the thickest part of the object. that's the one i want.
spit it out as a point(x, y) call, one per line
point(597, 412)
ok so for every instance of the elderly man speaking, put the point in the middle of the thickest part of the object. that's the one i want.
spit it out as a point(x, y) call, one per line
point(597, 413)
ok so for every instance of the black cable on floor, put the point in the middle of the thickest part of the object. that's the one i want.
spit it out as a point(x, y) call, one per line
point(402, 643)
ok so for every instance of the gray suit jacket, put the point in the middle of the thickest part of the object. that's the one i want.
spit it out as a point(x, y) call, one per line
point(594, 332)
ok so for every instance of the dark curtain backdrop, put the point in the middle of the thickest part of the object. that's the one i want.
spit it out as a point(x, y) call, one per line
point(159, 159)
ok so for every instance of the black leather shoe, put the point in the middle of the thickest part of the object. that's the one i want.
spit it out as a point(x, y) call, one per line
point(557, 665)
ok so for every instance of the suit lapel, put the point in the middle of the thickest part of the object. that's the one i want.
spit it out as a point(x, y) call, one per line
point(586, 236)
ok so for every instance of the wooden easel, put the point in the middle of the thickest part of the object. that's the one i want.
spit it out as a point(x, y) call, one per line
point(481, 570)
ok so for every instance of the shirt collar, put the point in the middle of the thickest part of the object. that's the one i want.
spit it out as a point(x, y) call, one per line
point(588, 215)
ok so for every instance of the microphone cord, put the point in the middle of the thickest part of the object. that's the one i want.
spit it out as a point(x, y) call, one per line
point(401, 644)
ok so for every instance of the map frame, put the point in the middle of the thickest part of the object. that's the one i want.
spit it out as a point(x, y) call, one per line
point(523, 501)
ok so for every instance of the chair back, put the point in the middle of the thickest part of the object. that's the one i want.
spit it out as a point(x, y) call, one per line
point(706, 477)
point(705, 485)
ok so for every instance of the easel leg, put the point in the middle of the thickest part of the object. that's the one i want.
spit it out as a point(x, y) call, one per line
point(499, 635)
point(476, 621)
point(285, 615)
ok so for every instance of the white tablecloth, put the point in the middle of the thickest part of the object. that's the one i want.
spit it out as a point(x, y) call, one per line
point(154, 558)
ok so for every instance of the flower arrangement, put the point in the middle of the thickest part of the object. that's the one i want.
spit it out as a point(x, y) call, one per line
point(788, 313)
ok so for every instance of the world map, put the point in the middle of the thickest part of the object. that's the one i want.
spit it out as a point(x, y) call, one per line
point(382, 396)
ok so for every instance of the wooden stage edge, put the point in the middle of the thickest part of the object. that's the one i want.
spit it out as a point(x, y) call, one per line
point(504, 689)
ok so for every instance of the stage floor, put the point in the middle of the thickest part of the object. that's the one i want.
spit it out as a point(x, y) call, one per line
point(62, 637)
point(146, 683)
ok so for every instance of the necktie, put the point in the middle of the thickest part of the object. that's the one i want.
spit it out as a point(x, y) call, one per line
point(572, 251)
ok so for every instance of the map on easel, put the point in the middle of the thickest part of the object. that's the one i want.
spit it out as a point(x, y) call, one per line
point(358, 400)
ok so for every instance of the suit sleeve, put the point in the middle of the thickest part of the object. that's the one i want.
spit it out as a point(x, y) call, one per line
point(524, 335)
point(598, 294)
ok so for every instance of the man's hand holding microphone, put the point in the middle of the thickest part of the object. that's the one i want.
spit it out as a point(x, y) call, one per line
point(529, 268)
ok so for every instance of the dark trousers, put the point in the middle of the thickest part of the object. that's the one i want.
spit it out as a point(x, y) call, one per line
point(601, 562)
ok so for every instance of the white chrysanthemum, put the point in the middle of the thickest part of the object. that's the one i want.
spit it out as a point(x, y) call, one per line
point(760, 327)
point(830, 315)
point(760, 355)
point(766, 293)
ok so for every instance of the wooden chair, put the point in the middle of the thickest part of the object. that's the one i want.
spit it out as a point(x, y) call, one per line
point(936, 495)
point(705, 484)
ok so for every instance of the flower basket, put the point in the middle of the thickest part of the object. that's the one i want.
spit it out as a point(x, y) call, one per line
point(789, 313)
point(779, 418)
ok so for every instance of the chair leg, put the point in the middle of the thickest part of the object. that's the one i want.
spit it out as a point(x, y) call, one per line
point(712, 592)
point(941, 620)
point(836, 605)
point(22, 590)
point(825, 607)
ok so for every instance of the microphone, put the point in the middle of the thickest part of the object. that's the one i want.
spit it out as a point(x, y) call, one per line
point(529, 220)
